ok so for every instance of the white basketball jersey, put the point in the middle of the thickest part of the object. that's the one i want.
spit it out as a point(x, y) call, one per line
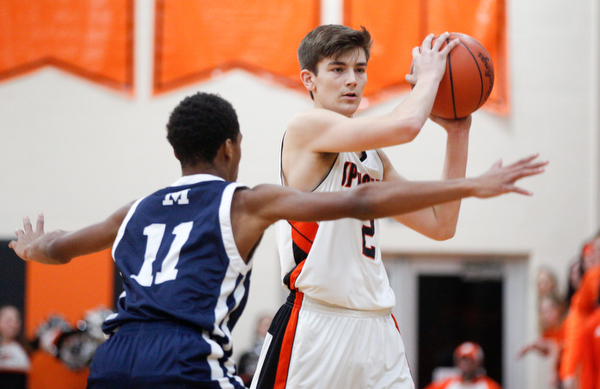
point(338, 262)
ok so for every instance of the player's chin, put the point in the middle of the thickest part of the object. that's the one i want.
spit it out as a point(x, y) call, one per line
point(349, 106)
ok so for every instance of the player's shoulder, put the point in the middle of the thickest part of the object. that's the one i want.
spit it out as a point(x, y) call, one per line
point(311, 118)
point(259, 195)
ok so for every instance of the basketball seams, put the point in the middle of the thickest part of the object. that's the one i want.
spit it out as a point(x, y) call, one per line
point(480, 75)
point(451, 77)
point(468, 79)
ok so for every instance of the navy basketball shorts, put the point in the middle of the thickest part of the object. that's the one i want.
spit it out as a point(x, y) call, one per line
point(161, 355)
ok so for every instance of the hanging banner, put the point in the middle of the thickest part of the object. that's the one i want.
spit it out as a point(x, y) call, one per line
point(90, 38)
point(196, 40)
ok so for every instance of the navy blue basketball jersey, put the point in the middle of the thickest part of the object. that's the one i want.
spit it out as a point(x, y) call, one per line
point(179, 262)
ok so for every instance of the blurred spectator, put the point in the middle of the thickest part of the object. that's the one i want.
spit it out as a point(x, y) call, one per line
point(576, 270)
point(14, 351)
point(547, 283)
point(550, 343)
point(552, 313)
point(249, 359)
point(575, 372)
point(468, 360)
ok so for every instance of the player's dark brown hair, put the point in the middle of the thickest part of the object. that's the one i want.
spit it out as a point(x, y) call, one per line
point(331, 41)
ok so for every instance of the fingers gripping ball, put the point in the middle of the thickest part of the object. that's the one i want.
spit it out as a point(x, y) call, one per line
point(468, 80)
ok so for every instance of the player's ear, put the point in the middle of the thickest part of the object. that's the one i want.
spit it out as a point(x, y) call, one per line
point(307, 79)
point(228, 148)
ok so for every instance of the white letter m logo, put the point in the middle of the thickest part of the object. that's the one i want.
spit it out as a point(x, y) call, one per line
point(178, 197)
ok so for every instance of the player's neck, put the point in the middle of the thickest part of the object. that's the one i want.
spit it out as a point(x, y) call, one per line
point(225, 164)
point(348, 115)
point(203, 169)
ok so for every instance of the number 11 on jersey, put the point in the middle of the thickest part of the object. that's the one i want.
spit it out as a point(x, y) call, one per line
point(168, 270)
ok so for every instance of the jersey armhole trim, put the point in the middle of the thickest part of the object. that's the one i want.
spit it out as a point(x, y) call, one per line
point(123, 225)
point(235, 258)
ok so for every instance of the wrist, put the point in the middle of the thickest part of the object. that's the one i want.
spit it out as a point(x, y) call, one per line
point(470, 187)
point(429, 80)
point(458, 132)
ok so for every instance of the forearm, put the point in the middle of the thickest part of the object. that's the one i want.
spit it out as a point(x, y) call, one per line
point(368, 201)
point(457, 148)
point(416, 107)
point(59, 247)
point(88, 240)
point(455, 166)
point(270, 203)
point(404, 197)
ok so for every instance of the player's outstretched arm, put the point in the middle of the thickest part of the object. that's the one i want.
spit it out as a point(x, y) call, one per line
point(383, 199)
point(59, 247)
point(254, 210)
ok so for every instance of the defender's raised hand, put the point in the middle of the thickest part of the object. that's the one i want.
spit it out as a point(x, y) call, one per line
point(26, 236)
point(501, 179)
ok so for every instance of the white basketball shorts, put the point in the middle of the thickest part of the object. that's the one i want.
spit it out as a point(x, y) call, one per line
point(317, 346)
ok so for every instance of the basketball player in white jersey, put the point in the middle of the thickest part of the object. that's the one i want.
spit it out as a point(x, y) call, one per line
point(336, 329)
point(185, 251)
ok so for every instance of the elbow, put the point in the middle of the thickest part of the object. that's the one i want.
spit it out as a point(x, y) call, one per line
point(413, 132)
point(410, 128)
point(444, 234)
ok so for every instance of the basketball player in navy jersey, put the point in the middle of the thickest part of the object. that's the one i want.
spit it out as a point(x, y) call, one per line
point(336, 329)
point(185, 251)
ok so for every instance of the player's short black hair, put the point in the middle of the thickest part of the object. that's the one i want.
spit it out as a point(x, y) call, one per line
point(199, 125)
point(331, 41)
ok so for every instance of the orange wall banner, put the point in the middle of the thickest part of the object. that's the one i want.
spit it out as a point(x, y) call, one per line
point(93, 39)
point(69, 291)
point(398, 26)
point(196, 40)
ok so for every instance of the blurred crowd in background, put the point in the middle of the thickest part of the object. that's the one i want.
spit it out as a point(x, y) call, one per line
point(569, 322)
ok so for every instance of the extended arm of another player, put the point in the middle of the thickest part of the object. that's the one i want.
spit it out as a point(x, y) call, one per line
point(382, 199)
point(59, 247)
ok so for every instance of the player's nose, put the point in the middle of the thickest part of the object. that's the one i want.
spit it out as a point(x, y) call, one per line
point(351, 79)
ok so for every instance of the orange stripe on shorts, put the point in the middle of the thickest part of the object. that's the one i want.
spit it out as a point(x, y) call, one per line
point(285, 354)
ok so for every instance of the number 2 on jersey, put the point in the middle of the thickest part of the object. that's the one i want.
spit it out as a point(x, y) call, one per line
point(368, 231)
point(168, 270)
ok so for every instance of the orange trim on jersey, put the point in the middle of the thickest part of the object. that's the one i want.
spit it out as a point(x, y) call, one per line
point(295, 273)
point(396, 323)
point(285, 354)
point(303, 234)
